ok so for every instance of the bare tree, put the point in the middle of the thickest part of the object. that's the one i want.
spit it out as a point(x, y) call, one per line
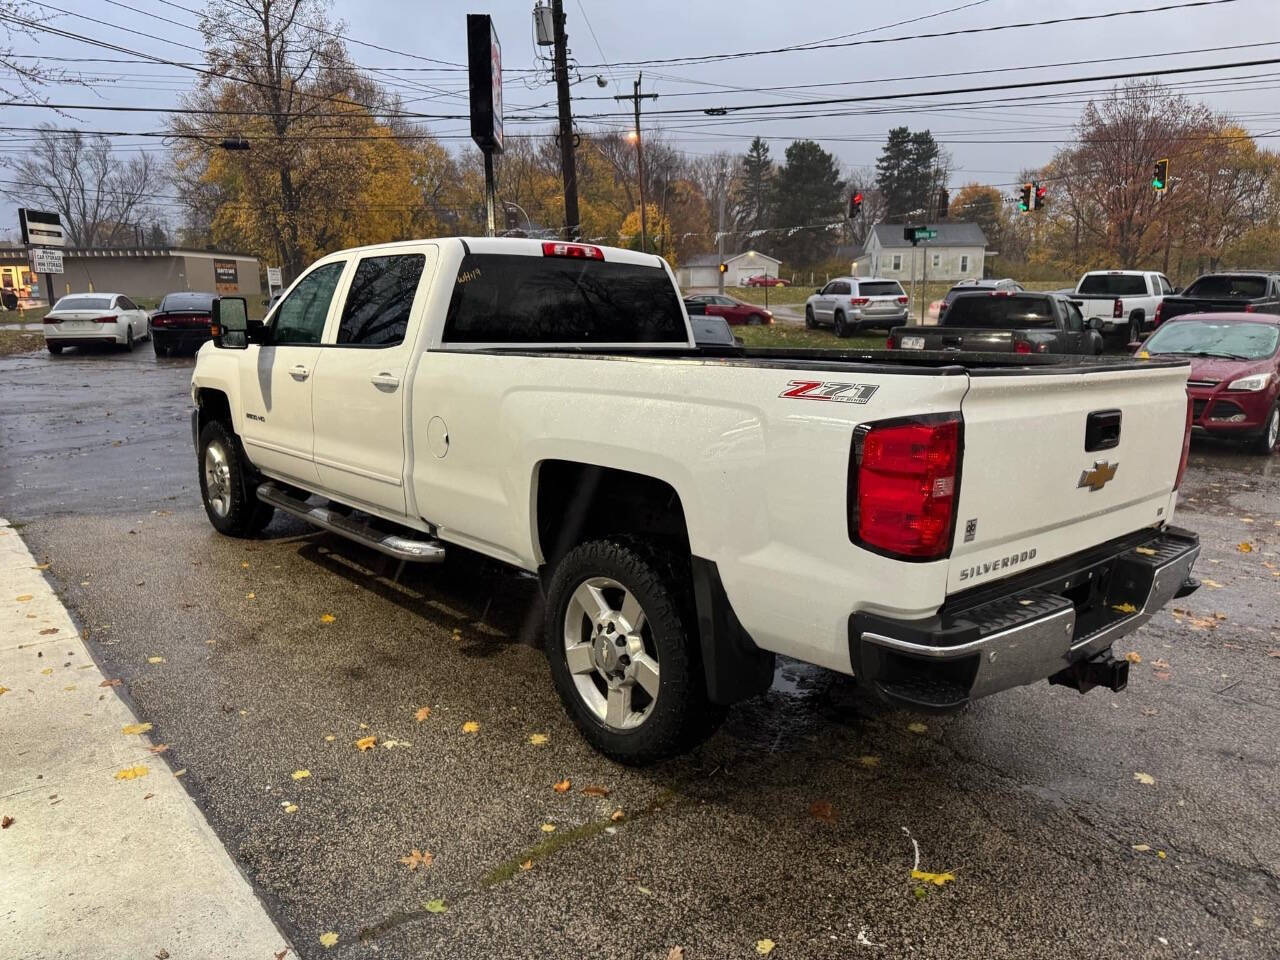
point(19, 26)
point(101, 196)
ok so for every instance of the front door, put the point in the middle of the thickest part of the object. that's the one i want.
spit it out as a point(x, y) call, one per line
point(359, 390)
point(276, 378)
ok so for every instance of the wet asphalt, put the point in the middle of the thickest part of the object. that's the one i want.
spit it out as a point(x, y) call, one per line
point(793, 824)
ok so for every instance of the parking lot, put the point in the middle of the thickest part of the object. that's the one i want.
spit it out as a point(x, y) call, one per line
point(1142, 824)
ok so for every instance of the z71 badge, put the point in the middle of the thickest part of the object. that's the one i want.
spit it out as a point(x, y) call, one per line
point(839, 392)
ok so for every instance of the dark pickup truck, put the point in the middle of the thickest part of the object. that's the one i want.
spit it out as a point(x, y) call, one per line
point(1240, 291)
point(999, 321)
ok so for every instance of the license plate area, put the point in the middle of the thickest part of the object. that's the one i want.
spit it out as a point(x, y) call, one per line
point(913, 343)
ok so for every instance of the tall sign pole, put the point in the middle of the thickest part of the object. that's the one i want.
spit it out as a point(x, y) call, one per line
point(484, 75)
point(44, 239)
point(572, 228)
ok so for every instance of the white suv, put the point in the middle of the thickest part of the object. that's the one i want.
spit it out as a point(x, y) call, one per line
point(851, 304)
point(79, 319)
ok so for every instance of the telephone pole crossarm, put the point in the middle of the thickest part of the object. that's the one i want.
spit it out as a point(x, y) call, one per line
point(635, 97)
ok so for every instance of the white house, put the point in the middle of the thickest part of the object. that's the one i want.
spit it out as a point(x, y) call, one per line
point(703, 270)
point(955, 254)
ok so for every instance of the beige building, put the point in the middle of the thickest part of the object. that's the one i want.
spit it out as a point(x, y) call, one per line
point(146, 273)
point(957, 253)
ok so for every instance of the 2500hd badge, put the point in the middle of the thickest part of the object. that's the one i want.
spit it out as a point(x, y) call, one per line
point(1004, 563)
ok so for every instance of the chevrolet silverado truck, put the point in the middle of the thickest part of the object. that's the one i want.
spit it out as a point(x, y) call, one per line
point(1235, 291)
point(1005, 321)
point(1126, 301)
point(941, 526)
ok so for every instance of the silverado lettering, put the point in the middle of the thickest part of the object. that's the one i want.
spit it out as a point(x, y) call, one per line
point(1004, 563)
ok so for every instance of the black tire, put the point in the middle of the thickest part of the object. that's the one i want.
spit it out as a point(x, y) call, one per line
point(680, 715)
point(809, 320)
point(129, 341)
point(755, 320)
point(161, 349)
point(1268, 441)
point(842, 328)
point(245, 514)
point(54, 348)
point(1135, 329)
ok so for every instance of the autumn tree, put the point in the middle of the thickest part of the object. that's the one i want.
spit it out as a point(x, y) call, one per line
point(983, 205)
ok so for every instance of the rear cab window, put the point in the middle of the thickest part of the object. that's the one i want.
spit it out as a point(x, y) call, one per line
point(501, 298)
point(1114, 285)
point(999, 312)
point(1228, 287)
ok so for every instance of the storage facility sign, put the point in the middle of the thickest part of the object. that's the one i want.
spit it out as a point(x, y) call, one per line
point(273, 278)
point(226, 278)
point(46, 260)
point(41, 228)
point(484, 75)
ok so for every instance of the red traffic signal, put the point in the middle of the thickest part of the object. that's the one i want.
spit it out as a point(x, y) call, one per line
point(855, 204)
point(1041, 193)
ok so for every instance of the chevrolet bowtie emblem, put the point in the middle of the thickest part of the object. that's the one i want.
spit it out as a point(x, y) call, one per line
point(1098, 476)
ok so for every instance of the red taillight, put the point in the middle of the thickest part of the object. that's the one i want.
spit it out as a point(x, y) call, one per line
point(1250, 308)
point(859, 301)
point(580, 251)
point(1022, 346)
point(49, 319)
point(904, 479)
point(1186, 445)
point(1117, 308)
point(104, 319)
point(891, 344)
point(1159, 314)
point(904, 300)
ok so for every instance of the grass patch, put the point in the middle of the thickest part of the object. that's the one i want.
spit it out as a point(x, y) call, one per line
point(778, 296)
point(13, 342)
point(795, 296)
point(792, 335)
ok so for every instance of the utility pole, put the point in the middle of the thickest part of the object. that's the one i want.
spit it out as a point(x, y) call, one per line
point(724, 184)
point(571, 226)
point(635, 97)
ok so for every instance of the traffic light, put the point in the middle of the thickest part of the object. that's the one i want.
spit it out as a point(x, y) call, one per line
point(1160, 180)
point(855, 204)
point(944, 203)
point(1041, 193)
point(724, 268)
point(1024, 202)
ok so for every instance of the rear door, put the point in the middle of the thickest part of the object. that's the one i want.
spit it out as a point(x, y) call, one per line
point(358, 394)
point(824, 307)
point(1044, 476)
point(276, 378)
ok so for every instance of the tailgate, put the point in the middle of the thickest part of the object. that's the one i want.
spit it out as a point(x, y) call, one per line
point(1030, 492)
point(955, 338)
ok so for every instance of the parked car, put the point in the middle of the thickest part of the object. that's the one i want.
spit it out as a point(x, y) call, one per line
point(851, 304)
point(1235, 373)
point(1243, 291)
point(998, 321)
point(764, 280)
point(712, 332)
point(951, 527)
point(1126, 301)
point(938, 307)
point(84, 319)
point(733, 311)
point(182, 322)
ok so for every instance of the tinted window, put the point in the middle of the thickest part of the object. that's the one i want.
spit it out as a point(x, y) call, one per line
point(377, 309)
point(126, 304)
point(202, 302)
point(83, 303)
point(1253, 341)
point(881, 289)
point(1075, 319)
point(1165, 285)
point(842, 287)
point(1110, 285)
point(508, 298)
point(301, 316)
point(1000, 313)
point(1229, 288)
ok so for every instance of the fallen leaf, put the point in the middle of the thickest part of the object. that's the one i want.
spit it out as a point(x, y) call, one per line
point(72, 687)
point(869, 760)
point(41, 566)
point(1273, 653)
point(245, 564)
point(470, 727)
point(366, 743)
point(417, 858)
point(937, 879)
point(1160, 674)
point(675, 953)
point(538, 739)
point(1245, 547)
point(617, 815)
point(155, 659)
point(6, 823)
point(180, 773)
point(48, 631)
point(1211, 584)
point(920, 893)
point(1161, 854)
point(3, 691)
point(435, 906)
point(596, 791)
point(562, 786)
point(422, 714)
point(1142, 847)
point(163, 954)
point(822, 810)
point(330, 738)
point(135, 728)
point(1124, 608)
point(291, 808)
point(1144, 778)
point(301, 774)
point(25, 598)
point(1160, 664)
point(917, 727)
point(526, 865)
point(251, 596)
point(548, 828)
point(327, 618)
point(1145, 551)
point(1133, 656)
point(132, 773)
point(47, 671)
point(392, 744)
point(1231, 646)
point(327, 940)
point(765, 946)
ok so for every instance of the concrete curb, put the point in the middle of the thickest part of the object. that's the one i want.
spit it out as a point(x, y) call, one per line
point(94, 864)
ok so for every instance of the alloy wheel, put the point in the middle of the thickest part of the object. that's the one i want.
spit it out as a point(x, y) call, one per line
point(610, 652)
point(217, 479)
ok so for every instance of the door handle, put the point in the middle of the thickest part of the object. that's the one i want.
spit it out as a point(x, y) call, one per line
point(299, 372)
point(384, 380)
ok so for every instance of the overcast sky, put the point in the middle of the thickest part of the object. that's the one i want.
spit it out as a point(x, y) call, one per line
point(611, 31)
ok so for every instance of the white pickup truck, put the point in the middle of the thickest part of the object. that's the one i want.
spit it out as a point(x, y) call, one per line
point(942, 526)
point(1125, 300)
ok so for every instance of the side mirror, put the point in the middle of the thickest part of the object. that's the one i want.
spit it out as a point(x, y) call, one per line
point(1095, 323)
point(230, 323)
point(819, 290)
point(1177, 290)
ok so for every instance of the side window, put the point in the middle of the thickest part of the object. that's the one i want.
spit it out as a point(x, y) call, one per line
point(376, 313)
point(299, 319)
point(1165, 285)
point(126, 304)
point(937, 260)
point(964, 263)
point(829, 288)
point(1075, 319)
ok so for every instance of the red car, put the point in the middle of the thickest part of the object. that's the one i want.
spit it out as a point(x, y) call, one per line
point(1235, 372)
point(764, 280)
point(733, 311)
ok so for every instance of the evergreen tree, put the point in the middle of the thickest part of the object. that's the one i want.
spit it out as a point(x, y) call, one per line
point(924, 173)
point(807, 190)
point(893, 174)
point(754, 193)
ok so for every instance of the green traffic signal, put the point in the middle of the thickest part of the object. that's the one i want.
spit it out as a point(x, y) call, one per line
point(1161, 178)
